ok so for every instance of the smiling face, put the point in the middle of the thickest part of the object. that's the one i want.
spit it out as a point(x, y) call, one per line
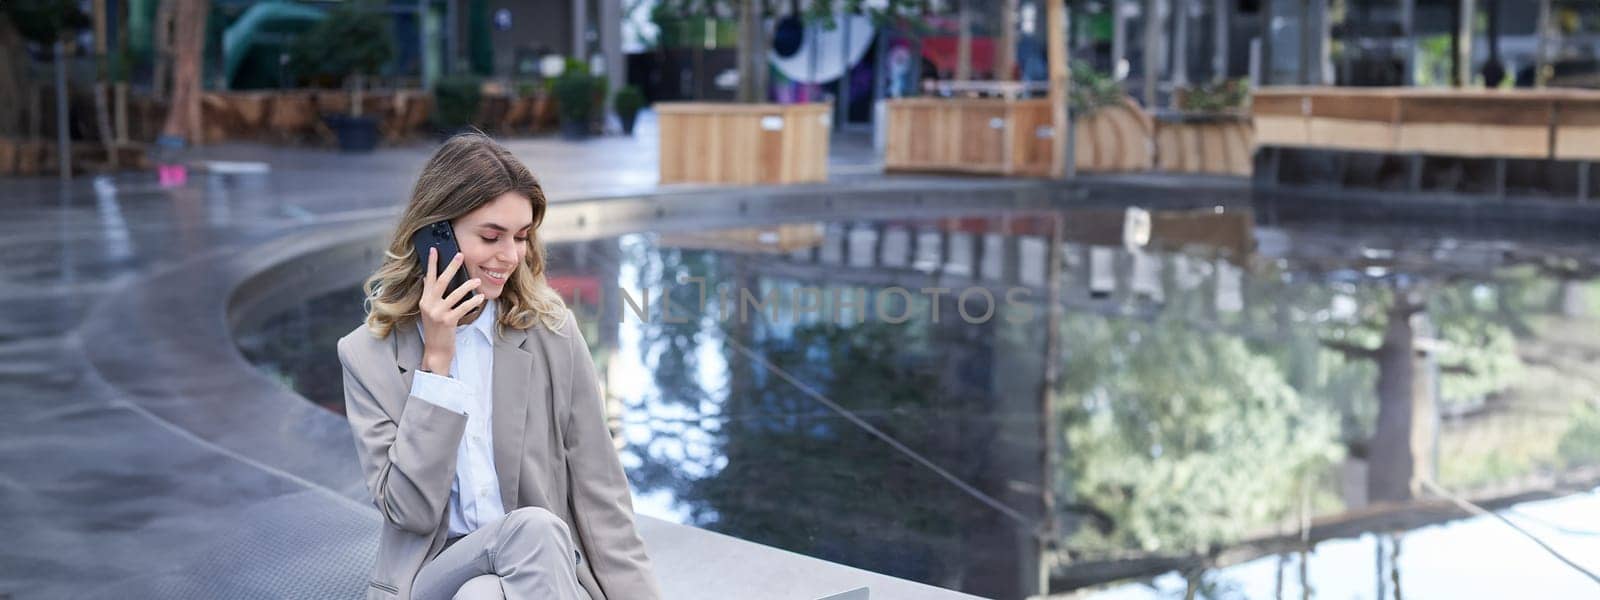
point(493, 240)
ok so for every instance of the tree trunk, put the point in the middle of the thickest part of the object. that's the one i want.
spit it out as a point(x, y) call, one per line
point(1061, 159)
point(964, 43)
point(102, 122)
point(746, 49)
point(36, 111)
point(359, 83)
point(752, 53)
point(13, 76)
point(163, 47)
point(63, 135)
point(1005, 56)
point(121, 104)
point(183, 113)
point(1400, 455)
point(1571, 299)
point(102, 105)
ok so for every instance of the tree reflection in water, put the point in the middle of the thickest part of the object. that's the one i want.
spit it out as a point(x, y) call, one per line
point(780, 468)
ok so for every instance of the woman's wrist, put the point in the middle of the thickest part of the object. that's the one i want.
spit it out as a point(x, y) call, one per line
point(436, 363)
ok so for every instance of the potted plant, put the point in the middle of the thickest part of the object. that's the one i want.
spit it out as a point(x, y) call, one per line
point(628, 102)
point(544, 107)
point(1196, 138)
point(455, 102)
point(1093, 90)
point(1227, 97)
point(574, 90)
point(352, 43)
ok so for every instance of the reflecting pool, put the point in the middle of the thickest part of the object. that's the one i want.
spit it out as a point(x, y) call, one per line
point(1099, 395)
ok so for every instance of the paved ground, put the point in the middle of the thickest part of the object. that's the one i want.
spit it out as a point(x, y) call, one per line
point(140, 456)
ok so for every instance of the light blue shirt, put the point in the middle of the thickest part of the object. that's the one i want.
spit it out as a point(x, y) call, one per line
point(475, 493)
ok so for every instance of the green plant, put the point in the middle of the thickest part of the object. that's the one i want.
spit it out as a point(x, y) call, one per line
point(697, 31)
point(1433, 61)
point(1228, 95)
point(45, 21)
point(1580, 446)
point(575, 95)
point(577, 92)
point(574, 66)
point(1093, 90)
point(628, 101)
point(662, 13)
point(353, 40)
point(455, 100)
point(601, 87)
point(684, 22)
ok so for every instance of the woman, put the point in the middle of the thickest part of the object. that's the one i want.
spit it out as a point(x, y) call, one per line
point(479, 425)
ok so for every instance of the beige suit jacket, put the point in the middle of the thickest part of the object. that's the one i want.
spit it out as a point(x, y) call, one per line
point(551, 449)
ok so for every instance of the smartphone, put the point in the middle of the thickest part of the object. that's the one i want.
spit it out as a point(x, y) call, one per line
point(442, 236)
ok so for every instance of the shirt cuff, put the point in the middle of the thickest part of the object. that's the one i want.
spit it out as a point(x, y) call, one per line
point(444, 392)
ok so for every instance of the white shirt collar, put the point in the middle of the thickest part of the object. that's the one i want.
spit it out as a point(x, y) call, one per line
point(484, 323)
point(485, 320)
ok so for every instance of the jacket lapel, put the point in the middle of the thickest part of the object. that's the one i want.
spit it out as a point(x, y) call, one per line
point(407, 352)
point(555, 357)
point(514, 387)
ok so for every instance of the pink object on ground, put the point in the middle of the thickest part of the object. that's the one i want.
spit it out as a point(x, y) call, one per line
point(172, 175)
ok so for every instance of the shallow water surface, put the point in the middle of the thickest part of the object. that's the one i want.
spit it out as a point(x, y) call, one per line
point(898, 395)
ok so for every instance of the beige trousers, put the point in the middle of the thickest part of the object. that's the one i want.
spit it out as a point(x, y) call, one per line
point(529, 553)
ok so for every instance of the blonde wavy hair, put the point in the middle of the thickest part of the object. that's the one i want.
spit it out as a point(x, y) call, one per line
point(468, 171)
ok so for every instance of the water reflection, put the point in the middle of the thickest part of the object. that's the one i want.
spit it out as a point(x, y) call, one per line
point(738, 449)
point(298, 347)
point(1471, 558)
point(113, 226)
point(1205, 383)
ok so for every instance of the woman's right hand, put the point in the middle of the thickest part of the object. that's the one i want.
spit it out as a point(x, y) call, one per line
point(440, 313)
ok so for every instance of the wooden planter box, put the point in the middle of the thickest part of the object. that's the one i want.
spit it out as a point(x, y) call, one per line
point(706, 142)
point(969, 135)
point(1002, 136)
point(1527, 124)
point(8, 156)
point(1216, 144)
point(1118, 138)
point(519, 118)
point(492, 112)
point(296, 115)
point(403, 113)
point(30, 158)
